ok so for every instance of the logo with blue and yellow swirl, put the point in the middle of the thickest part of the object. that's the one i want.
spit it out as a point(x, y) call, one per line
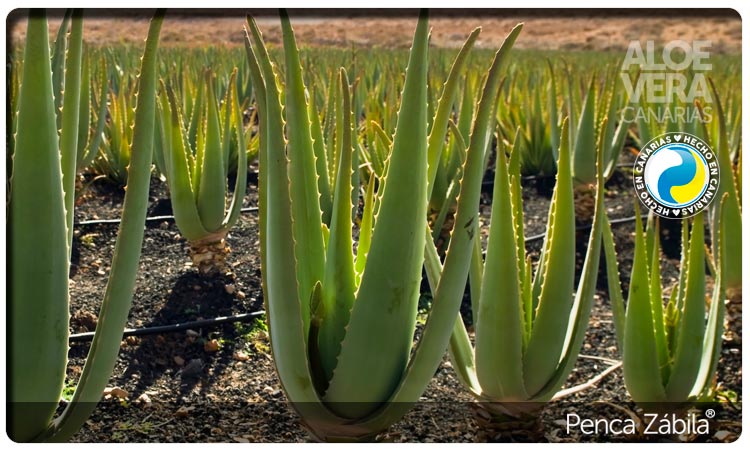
point(676, 175)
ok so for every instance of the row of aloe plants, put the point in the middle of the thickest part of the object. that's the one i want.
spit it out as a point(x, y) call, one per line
point(342, 325)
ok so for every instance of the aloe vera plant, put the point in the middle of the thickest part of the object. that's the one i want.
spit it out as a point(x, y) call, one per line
point(670, 353)
point(197, 173)
point(40, 233)
point(342, 327)
point(529, 327)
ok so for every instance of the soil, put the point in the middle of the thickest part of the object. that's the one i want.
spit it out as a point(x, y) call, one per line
point(543, 30)
point(219, 384)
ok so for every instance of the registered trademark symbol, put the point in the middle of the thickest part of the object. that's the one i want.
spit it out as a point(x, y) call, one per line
point(710, 413)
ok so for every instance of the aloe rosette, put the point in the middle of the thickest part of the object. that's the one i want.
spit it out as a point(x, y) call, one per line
point(529, 327)
point(40, 222)
point(342, 327)
point(197, 173)
point(669, 353)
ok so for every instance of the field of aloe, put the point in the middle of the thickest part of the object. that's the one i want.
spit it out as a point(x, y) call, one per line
point(312, 243)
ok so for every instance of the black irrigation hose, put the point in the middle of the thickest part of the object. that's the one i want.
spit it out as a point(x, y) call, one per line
point(148, 219)
point(537, 237)
point(174, 328)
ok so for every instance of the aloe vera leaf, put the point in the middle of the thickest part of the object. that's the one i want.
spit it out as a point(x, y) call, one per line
point(613, 283)
point(365, 230)
point(308, 242)
point(178, 173)
point(38, 257)
point(84, 104)
point(733, 215)
point(92, 149)
point(321, 164)
point(58, 64)
point(584, 151)
point(581, 310)
point(447, 298)
point(240, 186)
point(384, 314)
point(500, 328)
point(640, 359)
point(712, 340)
point(288, 316)
point(691, 329)
point(118, 295)
point(339, 280)
point(436, 139)
point(657, 308)
point(212, 189)
point(70, 117)
point(553, 115)
point(548, 333)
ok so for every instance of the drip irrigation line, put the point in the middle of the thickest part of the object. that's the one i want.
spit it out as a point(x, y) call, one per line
point(538, 237)
point(148, 219)
point(174, 328)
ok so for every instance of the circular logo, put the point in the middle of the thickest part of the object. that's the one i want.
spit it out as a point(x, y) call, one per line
point(676, 175)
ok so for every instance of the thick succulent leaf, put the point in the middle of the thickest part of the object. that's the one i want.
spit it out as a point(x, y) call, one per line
point(38, 249)
point(176, 156)
point(613, 282)
point(584, 151)
point(365, 229)
point(70, 117)
point(376, 349)
point(321, 163)
point(712, 340)
point(500, 325)
point(240, 186)
point(339, 283)
point(657, 307)
point(118, 295)
point(555, 297)
point(58, 63)
point(449, 293)
point(686, 359)
point(732, 218)
point(213, 185)
point(436, 140)
point(640, 359)
point(307, 217)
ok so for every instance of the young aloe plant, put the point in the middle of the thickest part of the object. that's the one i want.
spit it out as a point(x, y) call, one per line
point(529, 328)
point(669, 353)
point(197, 177)
point(40, 239)
point(342, 327)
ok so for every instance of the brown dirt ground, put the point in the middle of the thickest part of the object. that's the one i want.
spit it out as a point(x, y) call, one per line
point(543, 30)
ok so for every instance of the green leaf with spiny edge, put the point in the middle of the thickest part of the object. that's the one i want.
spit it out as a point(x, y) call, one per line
point(613, 283)
point(436, 140)
point(500, 326)
point(554, 302)
point(213, 185)
point(240, 186)
point(70, 118)
point(176, 156)
point(303, 185)
point(447, 298)
point(730, 184)
point(365, 230)
point(384, 314)
point(59, 48)
point(640, 358)
point(38, 248)
point(120, 288)
point(583, 158)
point(657, 309)
point(288, 316)
point(321, 164)
point(712, 340)
point(691, 329)
point(339, 278)
point(581, 310)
